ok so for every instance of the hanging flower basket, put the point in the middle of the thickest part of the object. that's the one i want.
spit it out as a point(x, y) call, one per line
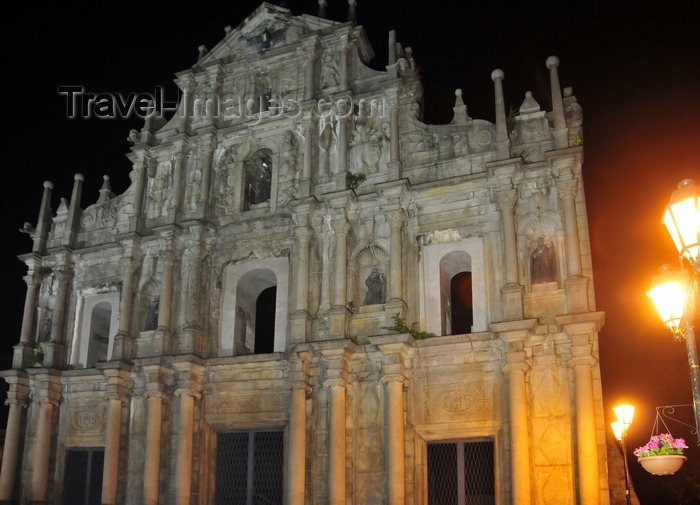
point(662, 455)
point(663, 465)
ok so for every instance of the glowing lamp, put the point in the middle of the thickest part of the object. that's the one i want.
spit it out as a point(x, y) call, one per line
point(669, 289)
point(682, 218)
point(618, 430)
point(625, 415)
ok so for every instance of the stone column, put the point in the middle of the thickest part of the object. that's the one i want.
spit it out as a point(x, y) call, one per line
point(502, 140)
point(395, 442)
point(519, 433)
point(299, 363)
point(395, 219)
point(17, 400)
point(344, 63)
point(110, 472)
point(183, 468)
point(567, 192)
point(139, 170)
point(161, 337)
point(297, 446)
point(306, 184)
point(310, 57)
point(561, 134)
point(342, 115)
point(123, 338)
point(178, 160)
point(208, 145)
point(43, 224)
point(512, 292)
point(341, 227)
point(42, 449)
point(26, 337)
point(586, 439)
point(336, 444)
point(190, 301)
point(53, 350)
point(304, 235)
point(151, 477)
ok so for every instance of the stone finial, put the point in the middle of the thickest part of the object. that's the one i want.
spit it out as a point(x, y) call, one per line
point(352, 10)
point(202, 51)
point(460, 110)
point(105, 191)
point(501, 127)
point(322, 8)
point(227, 29)
point(529, 105)
point(392, 47)
point(561, 137)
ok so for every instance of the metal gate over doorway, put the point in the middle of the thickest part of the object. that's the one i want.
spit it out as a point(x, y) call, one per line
point(461, 473)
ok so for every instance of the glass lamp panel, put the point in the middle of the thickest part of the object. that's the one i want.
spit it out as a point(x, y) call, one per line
point(682, 219)
point(617, 429)
point(668, 292)
point(625, 414)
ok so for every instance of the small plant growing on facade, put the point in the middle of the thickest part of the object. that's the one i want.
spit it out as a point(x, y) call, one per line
point(576, 140)
point(510, 119)
point(37, 359)
point(400, 326)
point(353, 181)
point(44, 271)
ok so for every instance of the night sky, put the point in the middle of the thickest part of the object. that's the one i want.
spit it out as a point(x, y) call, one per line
point(635, 71)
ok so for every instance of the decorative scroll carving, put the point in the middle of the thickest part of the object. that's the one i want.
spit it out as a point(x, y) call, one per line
point(86, 420)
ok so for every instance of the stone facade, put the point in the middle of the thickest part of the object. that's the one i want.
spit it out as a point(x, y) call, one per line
point(294, 208)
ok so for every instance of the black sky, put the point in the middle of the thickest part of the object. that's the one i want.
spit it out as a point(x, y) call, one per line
point(635, 70)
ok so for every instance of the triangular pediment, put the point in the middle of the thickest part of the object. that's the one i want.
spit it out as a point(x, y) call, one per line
point(269, 26)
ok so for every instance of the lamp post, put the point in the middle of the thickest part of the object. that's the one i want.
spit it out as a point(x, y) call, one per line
point(674, 292)
point(625, 414)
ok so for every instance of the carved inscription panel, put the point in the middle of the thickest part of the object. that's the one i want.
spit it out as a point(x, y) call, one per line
point(459, 401)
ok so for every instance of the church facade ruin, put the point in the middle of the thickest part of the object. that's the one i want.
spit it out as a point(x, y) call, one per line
point(307, 295)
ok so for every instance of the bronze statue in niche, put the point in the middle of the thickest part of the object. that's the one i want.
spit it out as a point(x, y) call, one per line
point(543, 263)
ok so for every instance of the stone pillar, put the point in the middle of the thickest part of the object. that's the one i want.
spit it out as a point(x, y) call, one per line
point(344, 63)
point(183, 468)
point(17, 400)
point(123, 339)
point(395, 442)
point(189, 387)
point(110, 472)
point(343, 113)
point(306, 184)
point(567, 192)
point(53, 350)
point(561, 134)
point(395, 219)
point(336, 445)
point(310, 57)
point(190, 301)
point(161, 337)
point(341, 228)
point(26, 337)
point(519, 433)
point(586, 438)
point(207, 146)
point(512, 292)
point(140, 171)
point(178, 160)
point(151, 477)
point(70, 234)
point(299, 363)
point(502, 140)
point(297, 446)
point(42, 448)
point(43, 225)
point(304, 235)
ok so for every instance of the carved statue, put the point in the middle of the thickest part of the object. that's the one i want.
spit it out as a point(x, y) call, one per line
point(375, 288)
point(152, 315)
point(543, 263)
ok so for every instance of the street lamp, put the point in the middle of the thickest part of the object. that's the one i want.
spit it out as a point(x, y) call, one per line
point(625, 414)
point(673, 292)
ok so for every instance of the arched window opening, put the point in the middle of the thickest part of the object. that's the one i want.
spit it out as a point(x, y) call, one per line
point(256, 308)
point(258, 178)
point(462, 310)
point(100, 320)
point(457, 311)
point(265, 321)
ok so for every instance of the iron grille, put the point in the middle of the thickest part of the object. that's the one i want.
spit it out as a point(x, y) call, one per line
point(82, 484)
point(461, 473)
point(249, 468)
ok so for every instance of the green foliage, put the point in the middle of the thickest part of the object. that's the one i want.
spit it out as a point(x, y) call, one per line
point(510, 119)
point(44, 271)
point(353, 181)
point(37, 359)
point(576, 140)
point(400, 326)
